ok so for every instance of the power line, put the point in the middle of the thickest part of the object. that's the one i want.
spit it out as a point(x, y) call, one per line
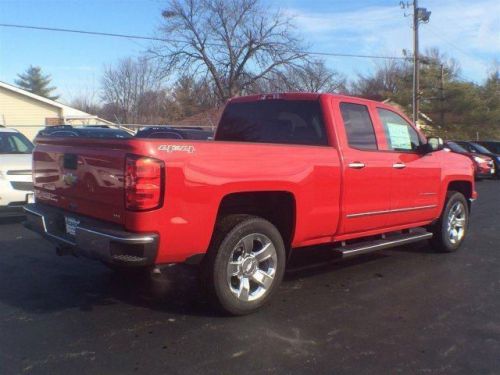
point(129, 36)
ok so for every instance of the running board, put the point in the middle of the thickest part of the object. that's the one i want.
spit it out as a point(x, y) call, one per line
point(347, 251)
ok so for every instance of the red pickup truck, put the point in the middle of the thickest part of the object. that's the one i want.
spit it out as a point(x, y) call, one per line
point(284, 171)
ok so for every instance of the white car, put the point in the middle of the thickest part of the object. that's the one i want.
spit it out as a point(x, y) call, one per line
point(16, 185)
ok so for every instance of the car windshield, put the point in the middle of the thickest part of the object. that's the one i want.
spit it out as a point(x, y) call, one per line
point(495, 147)
point(455, 147)
point(14, 143)
point(481, 149)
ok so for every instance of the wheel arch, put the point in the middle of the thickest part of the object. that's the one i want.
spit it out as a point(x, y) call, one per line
point(278, 207)
point(462, 186)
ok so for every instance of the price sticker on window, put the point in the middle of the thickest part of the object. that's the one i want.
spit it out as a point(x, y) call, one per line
point(399, 136)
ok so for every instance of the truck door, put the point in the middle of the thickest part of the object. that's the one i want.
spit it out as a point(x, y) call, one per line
point(416, 177)
point(367, 172)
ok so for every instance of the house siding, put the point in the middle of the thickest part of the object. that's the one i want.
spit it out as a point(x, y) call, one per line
point(24, 113)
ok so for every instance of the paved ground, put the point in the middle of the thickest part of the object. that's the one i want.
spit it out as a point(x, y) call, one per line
point(405, 310)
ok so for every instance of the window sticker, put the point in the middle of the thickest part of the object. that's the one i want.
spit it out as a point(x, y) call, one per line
point(399, 136)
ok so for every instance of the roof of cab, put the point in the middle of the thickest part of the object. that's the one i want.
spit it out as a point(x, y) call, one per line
point(300, 96)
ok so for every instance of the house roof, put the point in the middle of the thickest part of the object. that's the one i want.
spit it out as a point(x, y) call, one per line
point(67, 111)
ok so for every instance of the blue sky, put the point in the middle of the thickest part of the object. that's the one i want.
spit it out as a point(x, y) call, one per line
point(467, 30)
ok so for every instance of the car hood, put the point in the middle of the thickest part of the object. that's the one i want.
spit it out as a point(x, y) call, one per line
point(15, 162)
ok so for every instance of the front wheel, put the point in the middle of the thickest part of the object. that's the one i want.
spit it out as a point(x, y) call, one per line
point(451, 228)
point(245, 264)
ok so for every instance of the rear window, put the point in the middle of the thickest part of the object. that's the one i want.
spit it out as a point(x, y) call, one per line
point(358, 126)
point(274, 121)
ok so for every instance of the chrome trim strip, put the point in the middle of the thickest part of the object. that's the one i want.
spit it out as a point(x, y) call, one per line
point(19, 172)
point(391, 211)
point(145, 239)
point(68, 242)
point(39, 215)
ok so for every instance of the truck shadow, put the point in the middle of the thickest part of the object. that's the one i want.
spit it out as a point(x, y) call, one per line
point(37, 282)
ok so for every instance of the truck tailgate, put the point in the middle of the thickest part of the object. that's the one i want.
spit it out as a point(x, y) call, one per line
point(85, 176)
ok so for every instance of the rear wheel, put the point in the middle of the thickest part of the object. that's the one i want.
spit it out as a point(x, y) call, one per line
point(451, 228)
point(245, 264)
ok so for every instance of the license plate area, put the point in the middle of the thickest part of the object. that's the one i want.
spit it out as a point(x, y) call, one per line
point(71, 225)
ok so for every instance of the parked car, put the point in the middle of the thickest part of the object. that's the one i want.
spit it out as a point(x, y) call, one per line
point(16, 187)
point(479, 150)
point(100, 131)
point(169, 132)
point(484, 166)
point(284, 171)
point(493, 146)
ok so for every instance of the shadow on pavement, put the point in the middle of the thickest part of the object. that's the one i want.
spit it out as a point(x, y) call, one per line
point(41, 282)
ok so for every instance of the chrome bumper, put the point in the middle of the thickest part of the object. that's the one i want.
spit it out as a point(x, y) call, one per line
point(93, 238)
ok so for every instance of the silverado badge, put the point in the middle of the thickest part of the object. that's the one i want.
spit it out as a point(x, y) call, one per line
point(177, 148)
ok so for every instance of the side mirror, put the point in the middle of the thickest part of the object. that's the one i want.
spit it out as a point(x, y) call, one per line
point(434, 144)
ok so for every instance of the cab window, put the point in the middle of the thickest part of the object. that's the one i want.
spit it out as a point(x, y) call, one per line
point(400, 135)
point(358, 126)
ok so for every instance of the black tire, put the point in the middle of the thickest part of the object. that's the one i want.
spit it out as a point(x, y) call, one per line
point(442, 240)
point(241, 294)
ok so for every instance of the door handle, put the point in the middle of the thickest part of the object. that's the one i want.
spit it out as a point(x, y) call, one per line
point(356, 165)
point(399, 165)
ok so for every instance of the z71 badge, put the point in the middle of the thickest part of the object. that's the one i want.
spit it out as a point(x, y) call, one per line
point(177, 148)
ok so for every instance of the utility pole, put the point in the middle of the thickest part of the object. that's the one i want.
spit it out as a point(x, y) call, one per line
point(416, 82)
point(419, 15)
point(441, 96)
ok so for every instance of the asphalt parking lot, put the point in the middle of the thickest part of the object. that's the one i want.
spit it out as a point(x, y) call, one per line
point(405, 310)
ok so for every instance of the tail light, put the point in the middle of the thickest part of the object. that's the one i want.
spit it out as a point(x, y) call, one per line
point(144, 180)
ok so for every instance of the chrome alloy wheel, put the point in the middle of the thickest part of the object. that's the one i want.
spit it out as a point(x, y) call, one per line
point(252, 267)
point(456, 223)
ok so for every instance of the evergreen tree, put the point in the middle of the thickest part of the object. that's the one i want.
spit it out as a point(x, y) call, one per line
point(34, 81)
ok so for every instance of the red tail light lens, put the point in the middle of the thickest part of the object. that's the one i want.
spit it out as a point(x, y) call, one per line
point(144, 179)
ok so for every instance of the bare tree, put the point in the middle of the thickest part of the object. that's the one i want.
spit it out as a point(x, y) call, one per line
point(389, 80)
point(124, 84)
point(86, 101)
point(312, 76)
point(153, 107)
point(234, 43)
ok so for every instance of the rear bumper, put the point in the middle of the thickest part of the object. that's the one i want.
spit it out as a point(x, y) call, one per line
point(93, 239)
